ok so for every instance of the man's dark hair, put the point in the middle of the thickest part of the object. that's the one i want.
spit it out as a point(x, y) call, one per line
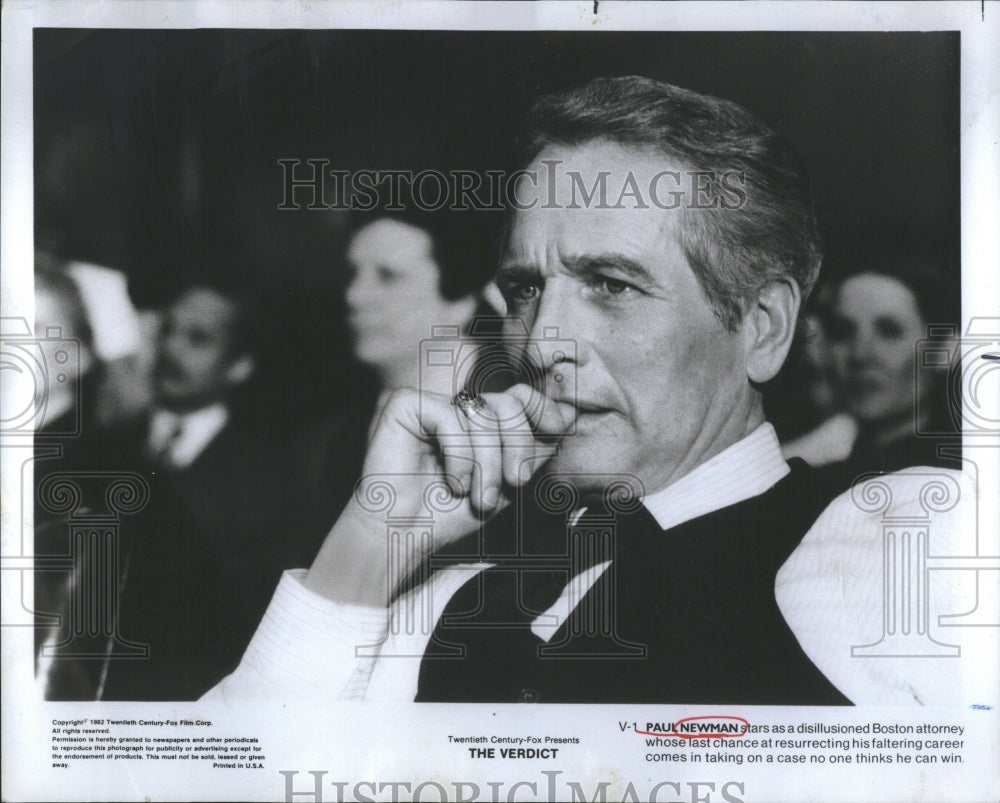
point(734, 252)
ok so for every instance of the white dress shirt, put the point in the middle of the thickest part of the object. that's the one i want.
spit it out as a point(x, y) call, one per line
point(179, 438)
point(310, 648)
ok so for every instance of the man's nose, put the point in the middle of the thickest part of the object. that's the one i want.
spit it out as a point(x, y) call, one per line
point(554, 330)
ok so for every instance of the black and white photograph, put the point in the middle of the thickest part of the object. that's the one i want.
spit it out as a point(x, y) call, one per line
point(372, 372)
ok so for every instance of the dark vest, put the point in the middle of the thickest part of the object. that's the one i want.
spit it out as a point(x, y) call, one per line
point(686, 615)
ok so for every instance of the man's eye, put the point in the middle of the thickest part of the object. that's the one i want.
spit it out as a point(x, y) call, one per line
point(523, 292)
point(612, 287)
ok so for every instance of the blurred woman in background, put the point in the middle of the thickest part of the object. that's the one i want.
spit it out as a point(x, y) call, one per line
point(413, 274)
point(880, 311)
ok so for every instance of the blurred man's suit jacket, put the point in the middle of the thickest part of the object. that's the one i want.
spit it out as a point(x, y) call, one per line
point(201, 561)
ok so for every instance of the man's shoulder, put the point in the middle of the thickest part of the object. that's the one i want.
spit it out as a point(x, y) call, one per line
point(862, 595)
point(921, 496)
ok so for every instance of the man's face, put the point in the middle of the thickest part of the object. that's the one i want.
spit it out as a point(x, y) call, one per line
point(196, 363)
point(876, 325)
point(393, 297)
point(661, 385)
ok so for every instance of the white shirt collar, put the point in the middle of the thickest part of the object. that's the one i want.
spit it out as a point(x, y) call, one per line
point(746, 469)
point(194, 431)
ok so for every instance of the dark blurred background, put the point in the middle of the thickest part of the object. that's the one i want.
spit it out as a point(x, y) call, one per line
point(157, 151)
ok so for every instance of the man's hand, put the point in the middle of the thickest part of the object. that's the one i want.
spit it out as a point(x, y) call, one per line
point(477, 457)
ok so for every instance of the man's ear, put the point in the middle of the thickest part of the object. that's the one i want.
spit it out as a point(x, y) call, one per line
point(240, 370)
point(768, 328)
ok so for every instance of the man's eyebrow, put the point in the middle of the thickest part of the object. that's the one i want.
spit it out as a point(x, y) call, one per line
point(587, 265)
point(591, 264)
point(515, 273)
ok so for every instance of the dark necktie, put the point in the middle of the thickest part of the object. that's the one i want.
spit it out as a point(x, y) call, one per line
point(489, 619)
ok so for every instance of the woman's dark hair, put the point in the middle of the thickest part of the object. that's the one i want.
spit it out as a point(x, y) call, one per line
point(912, 261)
point(466, 242)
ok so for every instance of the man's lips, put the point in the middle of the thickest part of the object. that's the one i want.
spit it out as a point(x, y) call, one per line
point(566, 393)
point(554, 416)
point(592, 409)
point(582, 407)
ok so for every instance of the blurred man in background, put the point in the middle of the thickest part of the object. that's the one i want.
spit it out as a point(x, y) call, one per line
point(204, 354)
point(223, 518)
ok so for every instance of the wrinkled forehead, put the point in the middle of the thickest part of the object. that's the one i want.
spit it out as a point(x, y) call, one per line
point(566, 174)
point(595, 197)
